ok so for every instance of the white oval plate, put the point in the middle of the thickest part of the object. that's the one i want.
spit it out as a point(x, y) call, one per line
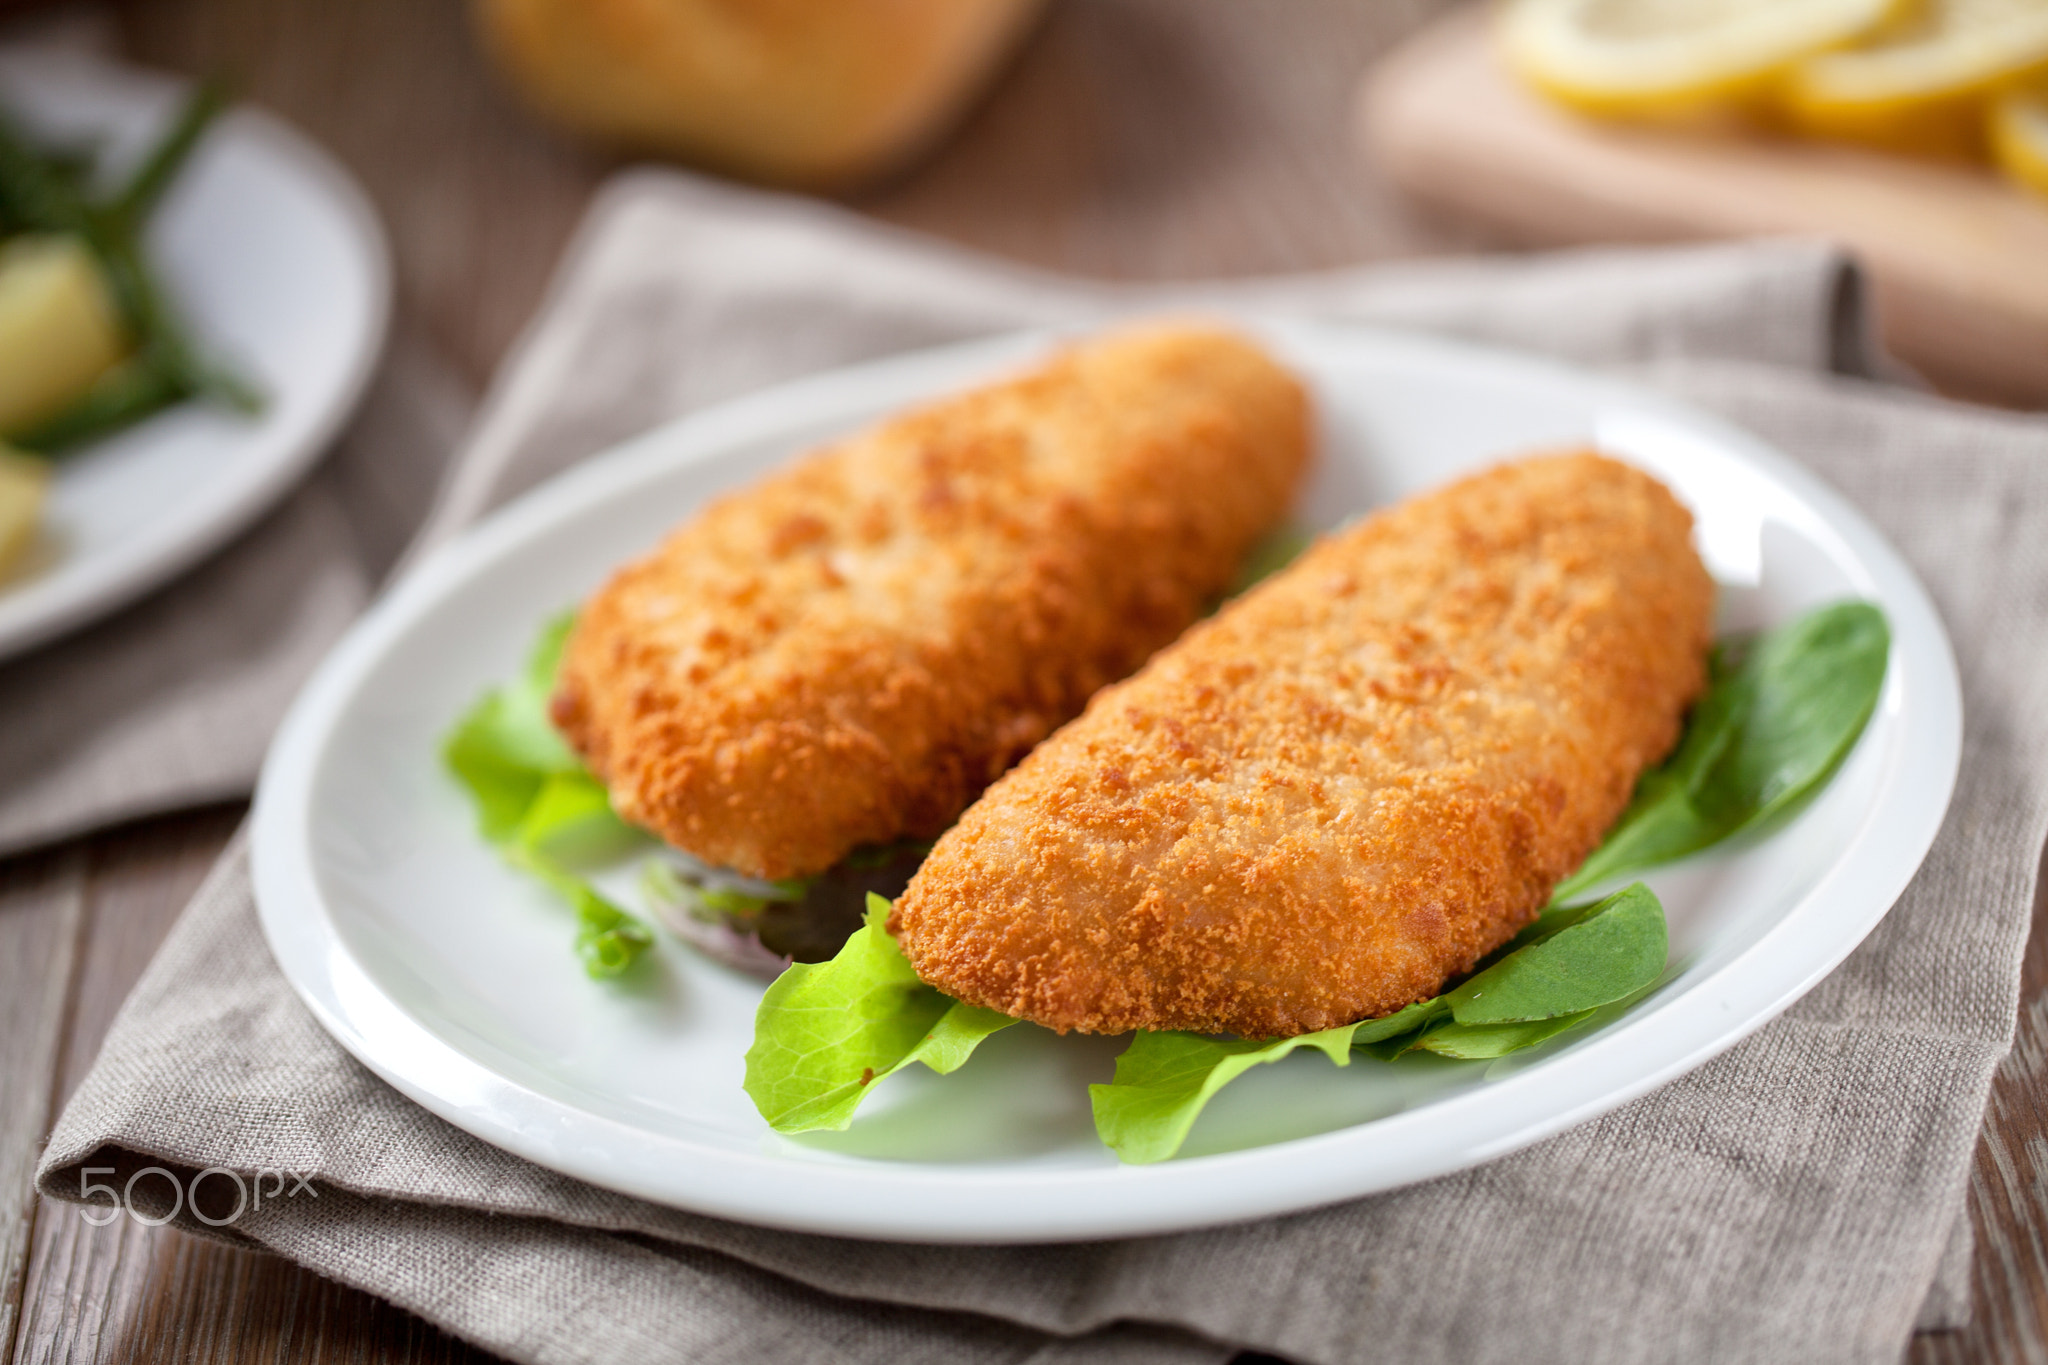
point(278, 266)
point(452, 977)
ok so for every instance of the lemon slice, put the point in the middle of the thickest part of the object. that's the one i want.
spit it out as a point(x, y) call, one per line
point(24, 483)
point(1671, 58)
point(1920, 84)
point(2019, 136)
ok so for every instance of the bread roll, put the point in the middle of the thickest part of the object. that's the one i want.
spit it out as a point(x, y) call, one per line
point(817, 93)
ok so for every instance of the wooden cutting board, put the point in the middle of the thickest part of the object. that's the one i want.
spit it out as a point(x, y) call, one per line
point(1958, 258)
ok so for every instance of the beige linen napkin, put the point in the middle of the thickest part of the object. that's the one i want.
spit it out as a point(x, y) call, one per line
point(1793, 1199)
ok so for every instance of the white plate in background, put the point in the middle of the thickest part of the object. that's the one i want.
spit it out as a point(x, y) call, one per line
point(278, 267)
point(453, 977)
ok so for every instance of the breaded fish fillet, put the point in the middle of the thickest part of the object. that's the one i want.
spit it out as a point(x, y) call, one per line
point(849, 651)
point(1354, 782)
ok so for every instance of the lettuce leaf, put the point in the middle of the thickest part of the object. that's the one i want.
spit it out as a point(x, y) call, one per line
point(1484, 1042)
point(1163, 1080)
point(1553, 977)
point(539, 805)
point(826, 1032)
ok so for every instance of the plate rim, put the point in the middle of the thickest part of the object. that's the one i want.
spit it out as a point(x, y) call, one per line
point(44, 609)
point(939, 1203)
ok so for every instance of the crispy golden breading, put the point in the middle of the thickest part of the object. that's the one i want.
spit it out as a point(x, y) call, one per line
point(849, 651)
point(1349, 786)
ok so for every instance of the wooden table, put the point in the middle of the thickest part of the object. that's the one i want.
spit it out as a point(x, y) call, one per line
point(1132, 138)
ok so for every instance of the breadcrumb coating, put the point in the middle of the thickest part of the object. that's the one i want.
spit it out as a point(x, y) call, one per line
point(1340, 793)
point(849, 651)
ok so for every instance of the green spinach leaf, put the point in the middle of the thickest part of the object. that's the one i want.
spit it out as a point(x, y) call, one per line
point(1483, 1042)
point(1552, 978)
point(1604, 954)
point(1780, 714)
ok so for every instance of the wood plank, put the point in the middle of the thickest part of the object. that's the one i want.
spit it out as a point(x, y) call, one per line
point(42, 906)
point(131, 885)
point(126, 1292)
point(1954, 252)
point(136, 1294)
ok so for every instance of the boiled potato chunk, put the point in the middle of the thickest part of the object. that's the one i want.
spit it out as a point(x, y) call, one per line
point(59, 328)
point(24, 482)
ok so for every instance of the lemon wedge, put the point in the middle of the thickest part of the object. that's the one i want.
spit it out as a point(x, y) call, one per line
point(2019, 136)
point(1664, 59)
point(1920, 83)
point(24, 483)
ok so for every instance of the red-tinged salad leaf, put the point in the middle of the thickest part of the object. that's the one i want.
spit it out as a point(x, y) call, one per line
point(761, 927)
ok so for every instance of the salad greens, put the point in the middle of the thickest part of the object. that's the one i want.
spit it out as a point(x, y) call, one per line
point(1572, 959)
point(1553, 976)
point(49, 193)
point(538, 804)
point(1781, 713)
point(842, 1025)
point(548, 814)
point(1164, 1079)
point(828, 1032)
